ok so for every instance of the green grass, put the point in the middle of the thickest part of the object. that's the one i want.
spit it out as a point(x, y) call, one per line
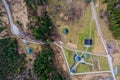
point(85, 68)
point(104, 63)
point(85, 34)
point(89, 59)
point(86, 60)
point(69, 55)
point(118, 75)
point(87, 22)
point(82, 68)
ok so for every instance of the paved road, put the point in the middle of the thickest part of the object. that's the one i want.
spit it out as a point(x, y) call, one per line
point(101, 38)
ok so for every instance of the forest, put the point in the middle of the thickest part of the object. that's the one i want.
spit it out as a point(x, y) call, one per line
point(44, 67)
point(40, 24)
point(44, 28)
point(11, 63)
point(114, 17)
point(1, 29)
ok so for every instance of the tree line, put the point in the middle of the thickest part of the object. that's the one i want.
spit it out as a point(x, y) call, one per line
point(113, 9)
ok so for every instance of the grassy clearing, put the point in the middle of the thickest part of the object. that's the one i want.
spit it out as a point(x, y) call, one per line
point(104, 63)
point(69, 55)
point(118, 75)
point(92, 59)
point(86, 59)
point(89, 60)
point(85, 34)
point(82, 68)
point(87, 22)
point(73, 27)
point(78, 31)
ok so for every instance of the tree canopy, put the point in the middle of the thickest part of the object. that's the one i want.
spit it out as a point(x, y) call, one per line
point(44, 28)
point(11, 62)
point(114, 17)
point(44, 67)
point(40, 25)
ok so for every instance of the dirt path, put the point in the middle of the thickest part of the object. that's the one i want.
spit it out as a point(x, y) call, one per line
point(19, 12)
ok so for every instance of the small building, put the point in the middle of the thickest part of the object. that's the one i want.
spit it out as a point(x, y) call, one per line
point(72, 70)
point(86, 55)
point(29, 50)
point(65, 31)
point(77, 58)
point(115, 70)
point(88, 42)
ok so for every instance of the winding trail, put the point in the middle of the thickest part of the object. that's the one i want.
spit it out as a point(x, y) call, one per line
point(14, 28)
point(15, 31)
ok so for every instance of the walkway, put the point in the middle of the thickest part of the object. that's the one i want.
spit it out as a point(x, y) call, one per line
point(16, 31)
point(101, 38)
